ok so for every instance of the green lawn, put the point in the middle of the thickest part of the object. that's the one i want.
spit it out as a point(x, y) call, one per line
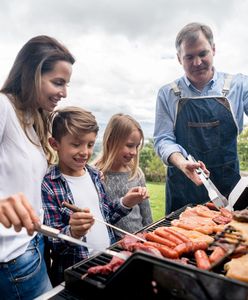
point(157, 199)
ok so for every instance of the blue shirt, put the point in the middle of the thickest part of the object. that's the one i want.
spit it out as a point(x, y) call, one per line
point(164, 138)
point(55, 190)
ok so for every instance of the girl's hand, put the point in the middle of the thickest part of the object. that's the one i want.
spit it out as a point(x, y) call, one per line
point(135, 196)
point(16, 210)
point(81, 222)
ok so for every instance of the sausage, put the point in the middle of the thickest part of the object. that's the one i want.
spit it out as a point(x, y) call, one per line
point(163, 232)
point(199, 246)
point(217, 254)
point(164, 250)
point(179, 235)
point(151, 236)
point(202, 260)
point(211, 206)
point(183, 248)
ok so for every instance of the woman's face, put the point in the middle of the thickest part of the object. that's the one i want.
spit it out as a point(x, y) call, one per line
point(54, 85)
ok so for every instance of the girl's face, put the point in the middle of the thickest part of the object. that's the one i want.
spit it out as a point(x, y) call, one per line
point(128, 151)
point(74, 152)
point(54, 85)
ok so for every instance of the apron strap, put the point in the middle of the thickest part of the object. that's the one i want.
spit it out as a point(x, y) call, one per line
point(225, 90)
point(227, 84)
point(176, 89)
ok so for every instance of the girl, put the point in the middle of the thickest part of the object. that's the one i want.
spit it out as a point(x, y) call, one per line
point(36, 83)
point(122, 141)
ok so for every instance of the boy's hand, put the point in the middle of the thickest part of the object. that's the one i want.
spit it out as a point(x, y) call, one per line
point(81, 222)
point(16, 210)
point(135, 196)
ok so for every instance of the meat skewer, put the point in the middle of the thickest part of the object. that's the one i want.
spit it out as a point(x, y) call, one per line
point(74, 208)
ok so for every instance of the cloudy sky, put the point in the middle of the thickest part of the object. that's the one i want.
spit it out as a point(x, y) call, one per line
point(124, 49)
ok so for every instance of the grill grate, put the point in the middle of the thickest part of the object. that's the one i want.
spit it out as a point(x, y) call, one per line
point(76, 276)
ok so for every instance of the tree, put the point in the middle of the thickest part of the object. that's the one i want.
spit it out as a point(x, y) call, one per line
point(150, 163)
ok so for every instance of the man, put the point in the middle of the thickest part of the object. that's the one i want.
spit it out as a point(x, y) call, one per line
point(200, 114)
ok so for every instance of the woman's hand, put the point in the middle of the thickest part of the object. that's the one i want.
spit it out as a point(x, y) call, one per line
point(81, 222)
point(135, 196)
point(16, 210)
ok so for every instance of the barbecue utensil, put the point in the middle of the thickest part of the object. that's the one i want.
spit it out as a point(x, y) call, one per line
point(214, 194)
point(229, 239)
point(74, 208)
point(55, 233)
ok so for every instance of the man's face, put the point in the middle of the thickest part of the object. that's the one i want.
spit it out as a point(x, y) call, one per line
point(197, 60)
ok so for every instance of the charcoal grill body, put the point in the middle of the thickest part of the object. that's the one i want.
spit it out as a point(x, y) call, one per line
point(144, 276)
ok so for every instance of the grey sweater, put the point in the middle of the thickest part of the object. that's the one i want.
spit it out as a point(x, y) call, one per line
point(117, 185)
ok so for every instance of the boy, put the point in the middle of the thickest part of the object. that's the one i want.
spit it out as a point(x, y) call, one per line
point(74, 132)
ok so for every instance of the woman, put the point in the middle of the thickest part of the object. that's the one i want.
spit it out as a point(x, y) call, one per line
point(36, 83)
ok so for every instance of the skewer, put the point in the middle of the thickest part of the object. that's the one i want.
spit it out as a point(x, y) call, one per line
point(74, 208)
point(231, 238)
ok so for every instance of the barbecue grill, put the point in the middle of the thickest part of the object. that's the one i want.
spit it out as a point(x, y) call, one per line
point(144, 276)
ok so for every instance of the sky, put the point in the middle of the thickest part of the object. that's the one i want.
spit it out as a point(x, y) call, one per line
point(124, 49)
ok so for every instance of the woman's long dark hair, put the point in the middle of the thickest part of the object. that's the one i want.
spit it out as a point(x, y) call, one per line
point(22, 86)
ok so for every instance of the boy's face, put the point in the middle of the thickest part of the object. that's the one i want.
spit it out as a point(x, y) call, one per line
point(74, 152)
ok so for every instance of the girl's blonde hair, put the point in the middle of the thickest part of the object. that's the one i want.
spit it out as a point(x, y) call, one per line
point(117, 131)
point(22, 86)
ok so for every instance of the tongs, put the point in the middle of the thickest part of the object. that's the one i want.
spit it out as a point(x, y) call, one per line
point(214, 194)
point(55, 233)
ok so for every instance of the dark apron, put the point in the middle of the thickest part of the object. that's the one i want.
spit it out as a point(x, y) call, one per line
point(206, 129)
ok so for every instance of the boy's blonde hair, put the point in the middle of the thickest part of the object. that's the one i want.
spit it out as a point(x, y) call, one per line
point(117, 131)
point(73, 120)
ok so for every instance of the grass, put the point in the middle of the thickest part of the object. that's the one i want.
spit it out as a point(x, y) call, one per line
point(157, 199)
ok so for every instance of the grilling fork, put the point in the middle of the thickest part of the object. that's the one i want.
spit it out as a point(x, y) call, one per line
point(214, 194)
point(55, 233)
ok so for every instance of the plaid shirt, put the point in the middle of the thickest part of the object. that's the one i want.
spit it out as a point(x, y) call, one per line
point(55, 190)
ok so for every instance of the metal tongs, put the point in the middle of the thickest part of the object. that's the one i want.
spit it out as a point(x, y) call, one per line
point(55, 233)
point(214, 194)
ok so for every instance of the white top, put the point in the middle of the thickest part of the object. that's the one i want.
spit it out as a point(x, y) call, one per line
point(22, 167)
point(85, 196)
